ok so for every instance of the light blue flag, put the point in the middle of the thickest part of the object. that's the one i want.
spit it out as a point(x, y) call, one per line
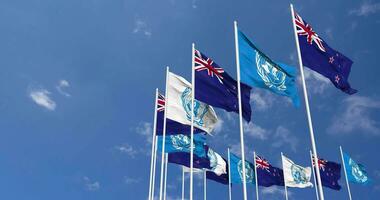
point(236, 169)
point(181, 143)
point(355, 172)
point(258, 70)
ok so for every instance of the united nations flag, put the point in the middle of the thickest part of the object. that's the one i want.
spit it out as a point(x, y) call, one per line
point(181, 143)
point(355, 172)
point(296, 175)
point(258, 70)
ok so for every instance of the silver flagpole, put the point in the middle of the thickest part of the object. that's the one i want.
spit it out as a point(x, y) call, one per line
point(204, 185)
point(314, 148)
point(240, 109)
point(345, 173)
point(229, 175)
point(192, 120)
point(256, 181)
point(183, 184)
point(315, 181)
point(164, 134)
point(153, 145)
point(154, 167)
point(286, 190)
point(166, 174)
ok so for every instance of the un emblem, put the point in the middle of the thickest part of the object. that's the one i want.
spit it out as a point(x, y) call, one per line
point(213, 159)
point(299, 174)
point(200, 109)
point(358, 172)
point(249, 173)
point(180, 142)
point(272, 77)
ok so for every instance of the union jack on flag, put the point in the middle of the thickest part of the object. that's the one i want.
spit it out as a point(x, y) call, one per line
point(262, 163)
point(202, 62)
point(304, 28)
point(160, 102)
point(321, 163)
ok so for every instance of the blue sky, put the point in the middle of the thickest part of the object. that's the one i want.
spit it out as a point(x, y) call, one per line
point(77, 86)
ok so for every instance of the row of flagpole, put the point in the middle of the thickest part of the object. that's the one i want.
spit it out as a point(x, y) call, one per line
point(163, 174)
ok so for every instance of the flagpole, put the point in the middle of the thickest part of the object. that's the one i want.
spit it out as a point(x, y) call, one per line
point(286, 190)
point(314, 148)
point(229, 175)
point(192, 120)
point(345, 173)
point(183, 184)
point(315, 181)
point(153, 145)
point(204, 185)
point(257, 184)
point(164, 133)
point(240, 109)
point(166, 174)
point(154, 167)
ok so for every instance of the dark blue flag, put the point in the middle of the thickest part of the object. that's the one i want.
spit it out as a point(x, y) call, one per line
point(330, 173)
point(215, 87)
point(172, 127)
point(318, 56)
point(183, 158)
point(267, 175)
point(223, 178)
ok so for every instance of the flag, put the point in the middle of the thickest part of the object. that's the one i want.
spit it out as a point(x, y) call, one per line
point(183, 158)
point(267, 175)
point(218, 164)
point(237, 170)
point(355, 172)
point(181, 143)
point(318, 56)
point(223, 178)
point(187, 170)
point(179, 105)
point(215, 87)
point(258, 70)
point(172, 127)
point(330, 173)
point(295, 175)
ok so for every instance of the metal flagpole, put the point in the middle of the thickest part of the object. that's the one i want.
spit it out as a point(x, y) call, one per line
point(204, 185)
point(229, 175)
point(192, 120)
point(240, 110)
point(164, 134)
point(153, 145)
point(345, 173)
point(286, 190)
point(183, 184)
point(315, 181)
point(314, 148)
point(256, 181)
point(154, 167)
point(166, 174)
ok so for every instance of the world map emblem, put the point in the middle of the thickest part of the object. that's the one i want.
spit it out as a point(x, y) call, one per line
point(213, 159)
point(200, 109)
point(249, 173)
point(358, 172)
point(272, 77)
point(299, 174)
point(180, 142)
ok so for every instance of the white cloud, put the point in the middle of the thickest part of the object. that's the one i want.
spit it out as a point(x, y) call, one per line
point(262, 100)
point(274, 190)
point(91, 185)
point(62, 84)
point(141, 27)
point(316, 83)
point(255, 131)
point(145, 129)
point(283, 137)
point(127, 149)
point(356, 115)
point(329, 33)
point(218, 126)
point(129, 180)
point(366, 8)
point(41, 97)
point(194, 4)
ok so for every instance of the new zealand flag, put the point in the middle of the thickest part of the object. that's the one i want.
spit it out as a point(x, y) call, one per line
point(267, 175)
point(183, 158)
point(318, 56)
point(215, 87)
point(172, 127)
point(330, 173)
point(223, 178)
